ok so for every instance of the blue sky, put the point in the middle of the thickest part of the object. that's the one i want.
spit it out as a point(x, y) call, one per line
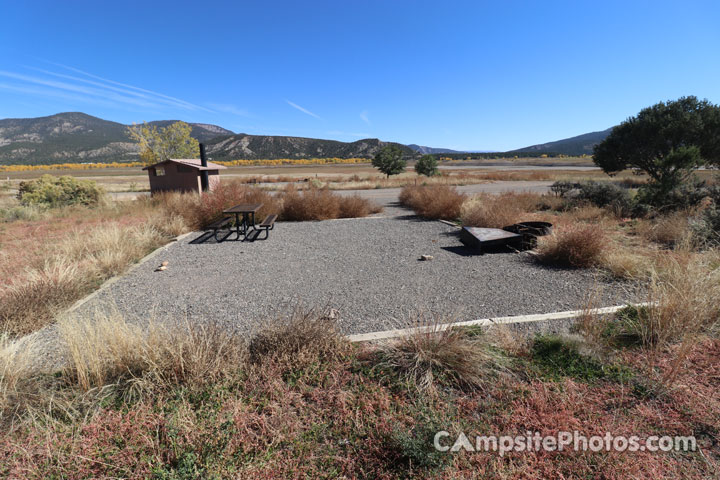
point(467, 75)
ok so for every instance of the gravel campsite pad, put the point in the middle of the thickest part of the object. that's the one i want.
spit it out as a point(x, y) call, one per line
point(367, 269)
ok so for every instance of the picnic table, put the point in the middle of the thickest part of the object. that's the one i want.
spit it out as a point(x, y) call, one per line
point(244, 223)
point(247, 211)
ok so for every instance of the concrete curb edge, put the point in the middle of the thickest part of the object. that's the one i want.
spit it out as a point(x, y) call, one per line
point(484, 322)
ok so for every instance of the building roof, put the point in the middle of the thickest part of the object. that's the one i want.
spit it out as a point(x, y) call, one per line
point(190, 162)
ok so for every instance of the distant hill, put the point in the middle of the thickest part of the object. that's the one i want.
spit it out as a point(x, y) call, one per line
point(76, 137)
point(432, 150)
point(579, 145)
point(251, 147)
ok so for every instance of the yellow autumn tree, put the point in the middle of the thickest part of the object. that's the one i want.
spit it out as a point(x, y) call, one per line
point(159, 144)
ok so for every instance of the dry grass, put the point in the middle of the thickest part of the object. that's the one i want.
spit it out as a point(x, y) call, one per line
point(192, 405)
point(498, 211)
point(433, 201)
point(508, 340)
point(588, 213)
point(290, 204)
point(622, 262)
point(589, 324)
point(76, 265)
point(668, 230)
point(355, 206)
point(107, 356)
point(107, 349)
point(30, 304)
point(302, 338)
point(684, 293)
point(198, 210)
point(17, 365)
point(488, 212)
point(579, 246)
point(433, 355)
point(107, 250)
point(680, 315)
point(312, 204)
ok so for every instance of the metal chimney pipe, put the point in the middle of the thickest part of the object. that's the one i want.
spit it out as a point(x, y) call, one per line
point(204, 179)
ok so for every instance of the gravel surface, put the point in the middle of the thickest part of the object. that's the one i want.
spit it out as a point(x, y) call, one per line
point(367, 269)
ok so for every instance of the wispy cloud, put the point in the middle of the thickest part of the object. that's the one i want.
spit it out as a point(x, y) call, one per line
point(364, 117)
point(91, 89)
point(61, 87)
point(132, 87)
point(34, 91)
point(304, 110)
point(223, 107)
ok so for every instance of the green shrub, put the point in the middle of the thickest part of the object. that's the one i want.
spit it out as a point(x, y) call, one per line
point(413, 449)
point(427, 165)
point(684, 196)
point(605, 194)
point(706, 226)
point(59, 191)
point(562, 187)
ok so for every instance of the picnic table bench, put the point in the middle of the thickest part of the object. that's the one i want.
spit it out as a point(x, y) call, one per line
point(218, 225)
point(267, 225)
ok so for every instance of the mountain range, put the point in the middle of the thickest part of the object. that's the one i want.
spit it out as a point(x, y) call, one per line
point(76, 137)
point(243, 146)
point(579, 145)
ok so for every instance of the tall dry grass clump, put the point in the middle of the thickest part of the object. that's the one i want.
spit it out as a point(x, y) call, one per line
point(432, 355)
point(681, 312)
point(576, 246)
point(108, 249)
point(486, 211)
point(17, 365)
point(322, 204)
point(302, 338)
point(683, 295)
point(623, 263)
point(109, 350)
point(588, 213)
point(311, 204)
point(30, 304)
point(355, 206)
point(433, 201)
point(498, 211)
point(669, 230)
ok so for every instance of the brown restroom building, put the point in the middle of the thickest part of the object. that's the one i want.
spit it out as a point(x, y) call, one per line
point(182, 174)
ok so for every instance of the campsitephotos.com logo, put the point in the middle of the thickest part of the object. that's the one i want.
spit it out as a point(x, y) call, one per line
point(562, 441)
